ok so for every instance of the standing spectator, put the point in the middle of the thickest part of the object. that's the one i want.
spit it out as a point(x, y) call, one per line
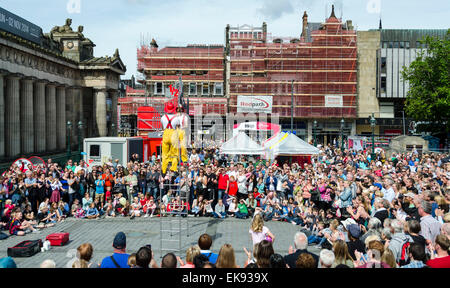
point(99, 189)
point(429, 227)
point(119, 259)
point(417, 256)
point(223, 183)
point(440, 253)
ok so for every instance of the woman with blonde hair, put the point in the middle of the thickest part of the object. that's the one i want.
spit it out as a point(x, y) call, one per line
point(389, 258)
point(84, 256)
point(226, 258)
point(258, 231)
point(341, 254)
point(191, 252)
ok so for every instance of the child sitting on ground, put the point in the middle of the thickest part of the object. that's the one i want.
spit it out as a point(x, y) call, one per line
point(135, 208)
point(92, 212)
point(109, 208)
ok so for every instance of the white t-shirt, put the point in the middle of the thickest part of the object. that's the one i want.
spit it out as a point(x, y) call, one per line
point(258, 236)
point(174, 120)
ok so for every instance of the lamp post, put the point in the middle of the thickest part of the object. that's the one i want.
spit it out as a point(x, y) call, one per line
point(314, 132)
point(113, 129)
point(342, 134)
point(373, 122)
point(80, 129)
point(69, 128)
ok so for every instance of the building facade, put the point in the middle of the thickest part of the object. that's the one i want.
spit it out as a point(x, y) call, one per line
point(48, 81)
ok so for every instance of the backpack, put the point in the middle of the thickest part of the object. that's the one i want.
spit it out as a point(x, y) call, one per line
point(404, 259)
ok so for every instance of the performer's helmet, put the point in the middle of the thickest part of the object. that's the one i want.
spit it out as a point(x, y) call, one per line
point(169, 108)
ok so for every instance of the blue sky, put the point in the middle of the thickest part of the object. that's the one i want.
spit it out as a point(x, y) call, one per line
point(112, 24)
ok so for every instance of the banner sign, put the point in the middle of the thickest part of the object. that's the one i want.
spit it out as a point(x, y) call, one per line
point(254, 104)
point(333, 101)
point(18, 26)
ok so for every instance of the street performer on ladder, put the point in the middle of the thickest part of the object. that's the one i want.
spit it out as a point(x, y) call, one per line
point(170, 141)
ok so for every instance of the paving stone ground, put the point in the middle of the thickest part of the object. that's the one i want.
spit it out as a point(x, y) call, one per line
point(142, 231)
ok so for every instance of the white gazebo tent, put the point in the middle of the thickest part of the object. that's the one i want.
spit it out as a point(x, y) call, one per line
point(241, 144)
point(287, 144)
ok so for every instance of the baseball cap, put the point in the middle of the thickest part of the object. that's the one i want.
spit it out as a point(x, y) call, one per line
point(120, 241)
point(410, 194)
point(354, 230)
point(347, 222)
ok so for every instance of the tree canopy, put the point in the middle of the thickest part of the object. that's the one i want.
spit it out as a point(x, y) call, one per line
point(428, 98)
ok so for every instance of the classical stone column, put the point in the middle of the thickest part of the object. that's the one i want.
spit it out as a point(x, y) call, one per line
point(2, 117)
point(12, 116)
point(26, 116)
point(61, 117)
point(114, 95)
point(100, 111)
point(50, 115)
point(39, 116)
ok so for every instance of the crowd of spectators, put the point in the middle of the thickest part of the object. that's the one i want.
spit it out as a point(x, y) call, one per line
point(388, 211)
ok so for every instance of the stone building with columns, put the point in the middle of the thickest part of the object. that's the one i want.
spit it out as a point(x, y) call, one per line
point(45, 85)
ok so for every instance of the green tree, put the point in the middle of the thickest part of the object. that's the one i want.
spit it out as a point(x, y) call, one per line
point(428, 98)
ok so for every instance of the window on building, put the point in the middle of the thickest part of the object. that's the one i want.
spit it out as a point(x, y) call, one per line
point(391, 44)
point(383, 84)
point(402, 45)
point(205, 88)
point(94, 151)
point(418, 45)
point(218, 89)
point(383, 64)
point(192, 89)
point(396, 44)
point(385, 44)
point(159, 88)
point(407, 44)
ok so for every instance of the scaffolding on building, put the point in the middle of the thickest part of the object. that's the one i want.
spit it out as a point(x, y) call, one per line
point(325, 66)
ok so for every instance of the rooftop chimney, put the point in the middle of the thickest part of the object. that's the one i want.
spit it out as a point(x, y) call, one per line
point(305, 25)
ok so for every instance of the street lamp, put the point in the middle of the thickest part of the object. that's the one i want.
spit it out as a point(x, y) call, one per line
point(113, 127)
point(69, 128)
point(80, 129)
point(314, 132)
point(373, 122)
point(342, 134)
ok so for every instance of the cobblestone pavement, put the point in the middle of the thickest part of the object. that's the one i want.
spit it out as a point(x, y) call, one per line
point(142, 231)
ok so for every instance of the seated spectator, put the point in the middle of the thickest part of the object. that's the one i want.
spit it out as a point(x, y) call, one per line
point(135, 208)
point(341, 255)
point(44, 217)
point(305, 260)
point(92, 212)
point(205, 243)
point(233, 207)
point(143, 257)
point(264, 251)
point(226, 258)
point(132, 260)
point(440, 253)
point(120, 258)
point(48, 264)
point(109, 208)
point(200, 260)
point(243, 211)
point(375, 250)
point(84, 256)
point(19, 228)
point(326, 258)
point(277, 261)
point(301, 245)
point(354, 244)
point(389, 258)
point(169, 261)
point(7, 262)
point(191, 252)
point(87, 200)
point(219, 211)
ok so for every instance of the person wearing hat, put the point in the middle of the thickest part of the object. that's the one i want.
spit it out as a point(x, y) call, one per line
point(169, 122)
point(120, 258)
point(354, 244)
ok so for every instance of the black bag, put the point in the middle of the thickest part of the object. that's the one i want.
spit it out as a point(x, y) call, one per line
point(25, 249)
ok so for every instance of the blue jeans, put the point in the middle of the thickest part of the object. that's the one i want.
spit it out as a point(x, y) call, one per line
point(241, 215)
point(221, 215)
point(153, 191)
point(316, 239)
point(296, 220)
point(220, 193)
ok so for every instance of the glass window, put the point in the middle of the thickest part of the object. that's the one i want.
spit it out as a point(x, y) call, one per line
point(396, 44)
point(383, 84)
point(159, 88)
point(402, 45)
point(192, 89)
point(383, 64)
point(205, 89)
point(94, 150)
point(407, 44)
point(218, 89)
point(391, 44)
point(385, 44)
